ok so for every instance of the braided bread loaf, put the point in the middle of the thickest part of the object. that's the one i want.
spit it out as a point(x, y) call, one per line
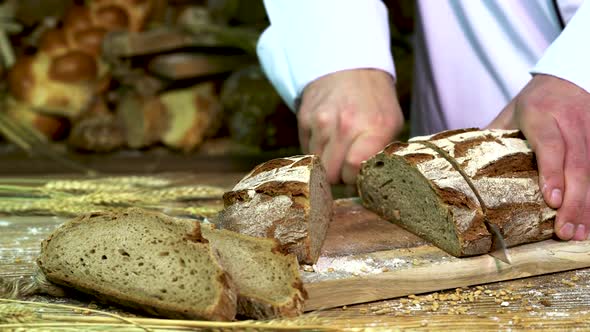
point(65, 73)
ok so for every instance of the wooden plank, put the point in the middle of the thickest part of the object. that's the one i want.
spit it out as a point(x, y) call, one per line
point(554, 304)
point(179, 66)
point(449, 272)
point(128, 44)
point(355, 230)
point(366, 258)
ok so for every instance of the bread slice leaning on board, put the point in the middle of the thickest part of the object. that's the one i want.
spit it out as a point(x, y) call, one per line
point(170, 267)
point(288, 199)
point(418, 186)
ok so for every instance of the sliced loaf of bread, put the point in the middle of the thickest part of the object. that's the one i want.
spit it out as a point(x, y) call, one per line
point(143, 260)
point(443, 187)
point(268, 280)
point(288, 199)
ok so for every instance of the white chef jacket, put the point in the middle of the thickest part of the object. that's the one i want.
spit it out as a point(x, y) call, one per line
point(471, 56)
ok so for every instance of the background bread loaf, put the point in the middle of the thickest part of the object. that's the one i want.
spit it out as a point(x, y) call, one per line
point(64, 74)
point(288, 199)
point(416, 187)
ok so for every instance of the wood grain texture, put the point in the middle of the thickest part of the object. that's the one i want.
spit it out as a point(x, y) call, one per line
point(555, 301)
point(450, 272)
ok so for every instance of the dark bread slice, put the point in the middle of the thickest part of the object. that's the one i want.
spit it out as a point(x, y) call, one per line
point(268, 280)
point(142, 260)
point(416, 185)
point(288, 199)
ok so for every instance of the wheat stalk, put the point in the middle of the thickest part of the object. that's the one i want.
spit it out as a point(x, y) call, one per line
point(52, 305)
point(306, 322)
point(186, 193)
point(80, 186)
point(16, 313)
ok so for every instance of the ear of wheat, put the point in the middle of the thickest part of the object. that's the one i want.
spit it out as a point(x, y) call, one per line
point(74, 197)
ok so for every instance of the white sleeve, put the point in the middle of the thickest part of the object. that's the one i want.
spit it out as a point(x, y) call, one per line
point(308, 39)
point(568, 57)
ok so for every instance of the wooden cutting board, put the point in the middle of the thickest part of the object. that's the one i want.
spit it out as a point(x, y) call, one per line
point(366, 258)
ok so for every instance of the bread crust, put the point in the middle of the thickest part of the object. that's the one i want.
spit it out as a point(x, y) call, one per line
point(223, 309)
point(275, 200)
point(500, 166)
point(67, 71)
point(254, 305)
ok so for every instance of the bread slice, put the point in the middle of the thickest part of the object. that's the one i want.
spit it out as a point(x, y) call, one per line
point(268, 280)
point(142, 260)
point(417, 185)
point(288, 199)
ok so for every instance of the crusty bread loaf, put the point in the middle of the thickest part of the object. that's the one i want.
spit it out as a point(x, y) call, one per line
point(143, 260)
point(173, 267)
point(268, 281)
point(418, 186)
point(180, 119)
point(288, 199)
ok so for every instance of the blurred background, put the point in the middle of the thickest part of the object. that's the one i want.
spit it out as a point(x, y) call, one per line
point(147, 85)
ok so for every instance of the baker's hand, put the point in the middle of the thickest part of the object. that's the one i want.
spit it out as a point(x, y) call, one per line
point(348, 116)
point(554, 116)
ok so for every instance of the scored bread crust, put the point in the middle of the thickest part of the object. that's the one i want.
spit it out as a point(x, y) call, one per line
point(416, 187)
point(224, 308)
point(288, 199)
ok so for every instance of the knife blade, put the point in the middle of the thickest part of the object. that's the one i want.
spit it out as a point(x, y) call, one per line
point(499, 248)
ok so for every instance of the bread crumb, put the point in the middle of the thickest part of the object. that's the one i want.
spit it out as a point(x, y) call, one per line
point(575, 278)
point(308, 268)
point(481, 288)
point(505, 304)
point(344, 307)
point(363, 310)
point(568, 283)
point(330, 269)
point(423, 323)
point(545, 302)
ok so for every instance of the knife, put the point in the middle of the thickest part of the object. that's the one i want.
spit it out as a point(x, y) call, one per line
point(499, 249)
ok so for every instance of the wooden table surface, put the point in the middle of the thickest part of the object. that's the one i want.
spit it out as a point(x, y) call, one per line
point(559, 301)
